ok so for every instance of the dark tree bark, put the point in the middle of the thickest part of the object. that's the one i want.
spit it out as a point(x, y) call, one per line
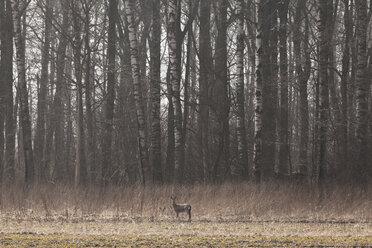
point(170, 133)
point(302, 58)
point(24, 112)
point(221, 94)
point(283, 120)
point(60, 170)
point(362, 169)
point(243, 170)
point(89, 86)
point(6, 82)
point(186, 99)
point(2, 89)
point(174, 80)
point(80, 162)
point(324, 46)
point(269, 89)
point(155, 93)
point(107, 170)
point(205, 81)
point(344, 85)
point(40, 136)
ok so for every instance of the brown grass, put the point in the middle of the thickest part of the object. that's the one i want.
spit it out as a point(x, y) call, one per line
point(242, 202)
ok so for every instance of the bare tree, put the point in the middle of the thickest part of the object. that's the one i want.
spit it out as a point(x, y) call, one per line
point(324, 46)
point(205, 81)
point(18, 8)
point(283, 122)
point(241, 131)
point(6, 82)
point(257, 149)
point(58, 107)
point(110, 98)
point(362, 169)
point(40, 135)
point(80, 161)
point(141, 121)
point(155, 53)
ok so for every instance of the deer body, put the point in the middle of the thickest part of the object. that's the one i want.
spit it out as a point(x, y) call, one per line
point(179, 208)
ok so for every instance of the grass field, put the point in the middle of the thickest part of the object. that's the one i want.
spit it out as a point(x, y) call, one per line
point(223, 216)
point(42, 233)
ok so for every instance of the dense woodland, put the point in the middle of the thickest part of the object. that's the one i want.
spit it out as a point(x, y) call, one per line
point(124, 92)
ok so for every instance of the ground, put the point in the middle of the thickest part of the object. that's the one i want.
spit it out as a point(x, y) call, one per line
point(230, 215)
point(179, 233)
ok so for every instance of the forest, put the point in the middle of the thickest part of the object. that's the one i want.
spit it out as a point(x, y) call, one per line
point(124, 92)
point(256, 113)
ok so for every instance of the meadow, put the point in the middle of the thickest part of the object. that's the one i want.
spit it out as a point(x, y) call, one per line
point(230, 215)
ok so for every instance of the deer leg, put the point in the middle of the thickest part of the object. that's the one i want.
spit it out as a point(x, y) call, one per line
point(190, 215)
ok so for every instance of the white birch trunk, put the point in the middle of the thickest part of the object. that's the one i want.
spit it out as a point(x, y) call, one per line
point(142, 141)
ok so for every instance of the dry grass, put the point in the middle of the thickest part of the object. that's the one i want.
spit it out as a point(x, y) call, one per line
point(228, 202)
point(32, 240)
point(230, 215)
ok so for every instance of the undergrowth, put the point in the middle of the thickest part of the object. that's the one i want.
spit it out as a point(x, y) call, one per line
point(283, 202)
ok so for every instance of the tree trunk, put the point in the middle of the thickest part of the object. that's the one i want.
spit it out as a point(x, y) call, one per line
point(89, 86)
point(303, 74)
point(283, 120)
point(221, 94)
point(269, 88)
point(361, 169)
point(205, 81)
point(257, 149)
point(324, 46)
point(344, 86)
point(19, 40)
point(243, 170)
point(42, 98)
point(142, 141)
point(3, 88)
point(6, 77)
point(155, 93)
point(80, 163)
point(186, 99)
point(107, 167)
point(175, 83)
point(170, 132)
point(60, 170)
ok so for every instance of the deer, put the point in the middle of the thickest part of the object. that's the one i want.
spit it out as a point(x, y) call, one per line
point(179, 208)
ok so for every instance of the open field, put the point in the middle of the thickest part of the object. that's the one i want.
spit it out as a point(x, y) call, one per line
point(39, 233)
point(222, 216)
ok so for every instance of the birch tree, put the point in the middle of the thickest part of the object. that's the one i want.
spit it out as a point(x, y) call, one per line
point(175, 83)
point(257, 149)
point(241, 132)
point(80, 161)
point(142, 141)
